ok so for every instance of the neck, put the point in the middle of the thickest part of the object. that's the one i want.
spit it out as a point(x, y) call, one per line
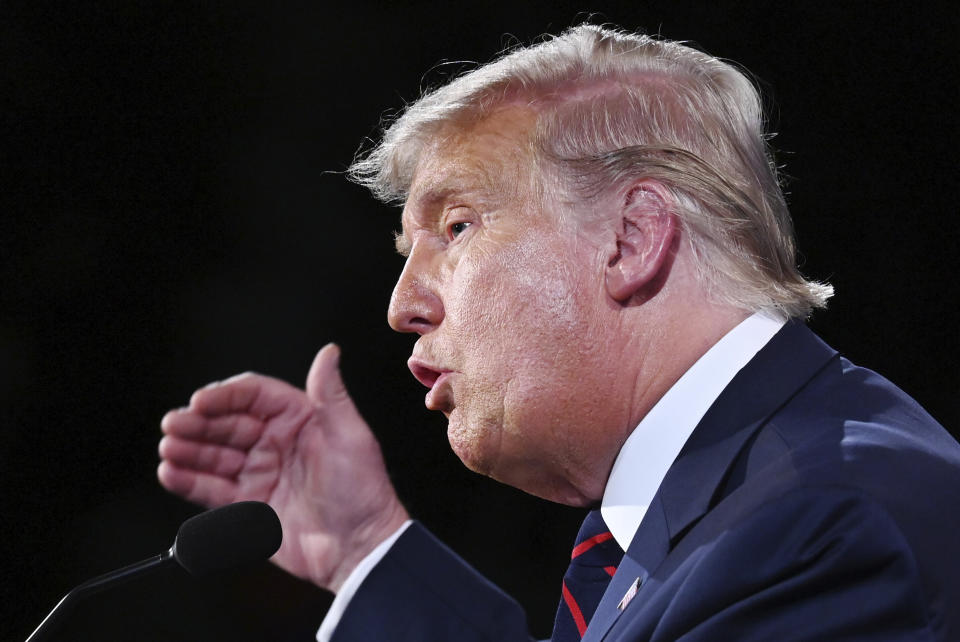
point(671, 344)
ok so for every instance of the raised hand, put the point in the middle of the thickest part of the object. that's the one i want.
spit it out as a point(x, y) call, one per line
point(309, 454)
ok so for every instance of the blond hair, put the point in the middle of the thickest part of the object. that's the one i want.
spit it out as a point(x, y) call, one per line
point(614, 106)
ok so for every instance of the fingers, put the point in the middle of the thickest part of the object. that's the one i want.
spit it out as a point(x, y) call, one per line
point(234, 430)
point(200, 488)
point(331, 400)
point(214, 475)
point(202, 457)
point(229, 443)
point(247, 393)
point(324, 384)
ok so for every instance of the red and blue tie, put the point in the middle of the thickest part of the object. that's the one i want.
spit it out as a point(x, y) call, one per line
point(593, 562)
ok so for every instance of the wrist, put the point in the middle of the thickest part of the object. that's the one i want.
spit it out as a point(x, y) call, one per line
point(363, 541)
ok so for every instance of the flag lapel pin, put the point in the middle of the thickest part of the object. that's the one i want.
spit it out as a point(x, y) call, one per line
point(631, 592)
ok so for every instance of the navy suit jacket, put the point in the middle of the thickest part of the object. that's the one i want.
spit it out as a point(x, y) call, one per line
point(814, 501)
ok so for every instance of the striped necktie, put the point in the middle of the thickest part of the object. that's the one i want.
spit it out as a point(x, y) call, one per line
point(593, 562)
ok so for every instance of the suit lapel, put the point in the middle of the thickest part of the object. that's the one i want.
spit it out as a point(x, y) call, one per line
point(790, 359)
point(691, 487)
point(647, 550)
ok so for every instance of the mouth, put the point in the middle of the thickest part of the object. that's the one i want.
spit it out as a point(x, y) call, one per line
point(425, 374)
point(433, 378)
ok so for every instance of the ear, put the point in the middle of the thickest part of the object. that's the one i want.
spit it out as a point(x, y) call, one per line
point(647, 227)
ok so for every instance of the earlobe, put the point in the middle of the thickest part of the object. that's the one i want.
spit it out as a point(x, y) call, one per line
point(620, 282)
point(643, 242)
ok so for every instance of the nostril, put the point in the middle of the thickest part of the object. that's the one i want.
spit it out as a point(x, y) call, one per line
point(414, 308)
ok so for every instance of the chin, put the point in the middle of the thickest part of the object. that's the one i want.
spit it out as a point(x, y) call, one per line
point(532, 479)
point(552, 489)
point(470, 445)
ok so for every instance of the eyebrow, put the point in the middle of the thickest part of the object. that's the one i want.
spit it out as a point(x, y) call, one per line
point(402, 244)
point(439, 190)
point(426, 199)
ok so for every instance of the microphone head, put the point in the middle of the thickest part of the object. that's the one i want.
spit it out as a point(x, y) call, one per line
point(227, 537)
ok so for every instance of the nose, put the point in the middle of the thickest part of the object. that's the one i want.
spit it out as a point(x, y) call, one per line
point(415, 305)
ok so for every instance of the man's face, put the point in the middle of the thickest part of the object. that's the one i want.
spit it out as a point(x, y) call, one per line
point(510, 303)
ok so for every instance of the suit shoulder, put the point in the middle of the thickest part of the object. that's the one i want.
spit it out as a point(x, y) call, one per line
point(822, 560)
point(862, 408)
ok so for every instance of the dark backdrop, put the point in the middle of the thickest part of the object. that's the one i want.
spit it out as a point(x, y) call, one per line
point(173, 213)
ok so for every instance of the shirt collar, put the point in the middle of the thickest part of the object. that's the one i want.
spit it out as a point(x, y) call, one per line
point(651, 448)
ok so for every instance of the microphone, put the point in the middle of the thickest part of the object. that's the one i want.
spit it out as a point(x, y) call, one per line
point(228, 537)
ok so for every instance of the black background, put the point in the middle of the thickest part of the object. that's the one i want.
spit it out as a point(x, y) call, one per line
point(173, 213)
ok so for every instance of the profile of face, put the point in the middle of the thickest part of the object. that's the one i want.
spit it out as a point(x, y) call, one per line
point(508, 297)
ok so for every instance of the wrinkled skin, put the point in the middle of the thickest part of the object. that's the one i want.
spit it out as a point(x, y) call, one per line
point(541, 372)
point(308, 454)
point(510, 302)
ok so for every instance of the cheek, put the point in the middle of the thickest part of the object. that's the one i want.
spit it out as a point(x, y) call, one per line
point(523, 313)
point(479, 305)
point(475, 427)
point(527, 281)
point(531, 302)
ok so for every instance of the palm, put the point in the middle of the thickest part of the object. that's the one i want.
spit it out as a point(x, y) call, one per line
point(308, 454)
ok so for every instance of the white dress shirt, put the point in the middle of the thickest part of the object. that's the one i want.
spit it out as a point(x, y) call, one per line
point(646, 455)
point(652, 447)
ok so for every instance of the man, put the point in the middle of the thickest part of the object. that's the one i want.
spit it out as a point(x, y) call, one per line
point(601, 270)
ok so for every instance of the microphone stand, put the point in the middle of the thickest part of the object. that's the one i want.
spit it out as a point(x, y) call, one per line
point(91, 587)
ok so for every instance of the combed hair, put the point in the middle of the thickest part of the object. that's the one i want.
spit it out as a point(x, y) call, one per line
point(614, 107)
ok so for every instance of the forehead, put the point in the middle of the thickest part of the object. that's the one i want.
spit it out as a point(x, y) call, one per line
point(490, 156)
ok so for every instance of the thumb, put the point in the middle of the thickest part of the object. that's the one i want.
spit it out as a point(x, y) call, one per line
point(324, 384)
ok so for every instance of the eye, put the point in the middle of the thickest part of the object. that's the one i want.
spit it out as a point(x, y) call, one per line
point(456, 229)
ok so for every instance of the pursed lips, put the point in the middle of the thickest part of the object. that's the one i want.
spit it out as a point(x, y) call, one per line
point(432, 377)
